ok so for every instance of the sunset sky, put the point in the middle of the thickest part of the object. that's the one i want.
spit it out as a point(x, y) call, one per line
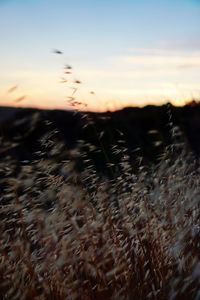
point(127, 53)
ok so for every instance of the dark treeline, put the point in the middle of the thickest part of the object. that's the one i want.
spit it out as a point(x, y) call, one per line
point(149, 128)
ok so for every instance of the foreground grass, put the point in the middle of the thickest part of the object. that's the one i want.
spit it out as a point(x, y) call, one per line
point(65, 235)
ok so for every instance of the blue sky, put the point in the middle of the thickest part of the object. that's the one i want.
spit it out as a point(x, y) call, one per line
point(128, 52)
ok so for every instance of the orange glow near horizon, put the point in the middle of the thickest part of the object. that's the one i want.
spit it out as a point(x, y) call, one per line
point(98, 101)
point(106, 90)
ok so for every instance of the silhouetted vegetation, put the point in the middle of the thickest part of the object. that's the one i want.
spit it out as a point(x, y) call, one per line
point(100, 206)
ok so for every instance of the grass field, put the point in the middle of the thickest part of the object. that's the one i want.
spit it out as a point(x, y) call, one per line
point(70, 235)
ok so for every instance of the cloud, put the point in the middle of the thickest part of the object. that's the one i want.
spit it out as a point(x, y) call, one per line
point(192, 44)
point(164, 51)
point(160, 61)
point(156, 51)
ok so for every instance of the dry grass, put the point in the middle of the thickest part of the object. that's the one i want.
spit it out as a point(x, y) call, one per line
point(65, 235)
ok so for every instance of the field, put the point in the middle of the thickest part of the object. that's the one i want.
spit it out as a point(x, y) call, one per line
point(89, 218)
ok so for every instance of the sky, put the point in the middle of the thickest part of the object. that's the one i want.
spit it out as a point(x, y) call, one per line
point(124, 53)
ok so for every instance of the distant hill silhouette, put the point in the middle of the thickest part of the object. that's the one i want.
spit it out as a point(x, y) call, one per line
point(24, 127)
